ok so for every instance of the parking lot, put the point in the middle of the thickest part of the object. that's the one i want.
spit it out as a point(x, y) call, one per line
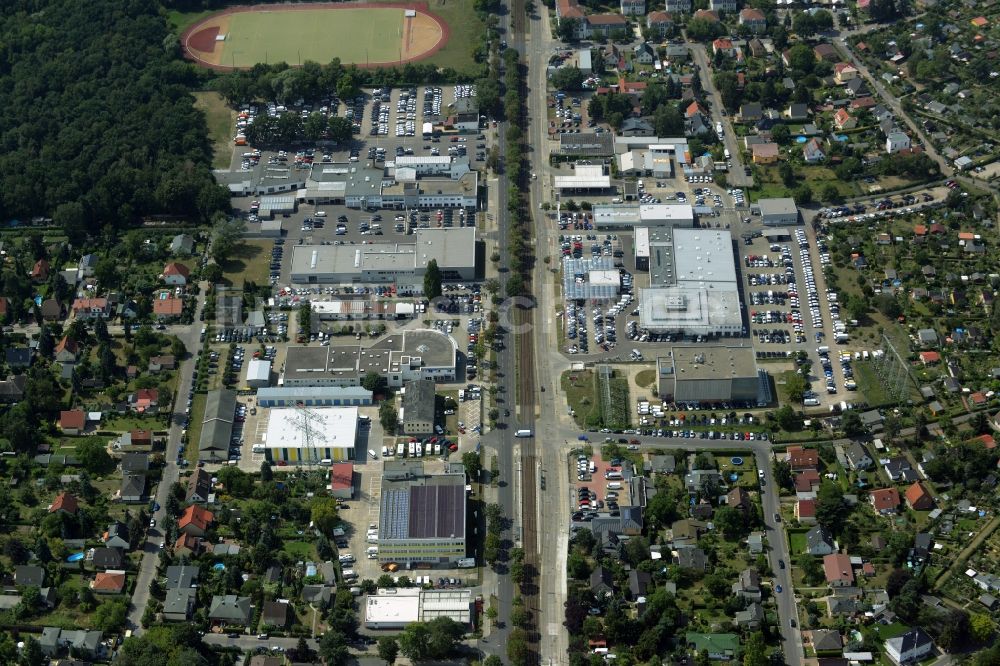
point(598, 487)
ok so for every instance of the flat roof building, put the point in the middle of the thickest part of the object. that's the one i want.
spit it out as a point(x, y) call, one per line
point(421, 353)
point(422, 517)
point(402, 263)
point(258, 373)
point(588, 144)
point(628, 216)
point(586, 179)
point(414, 182)
point(693, 287)
point(307, 436)
point(396, 607)
point(313, 396)
point(417, 415)
point(709, 374)
point(777, 212)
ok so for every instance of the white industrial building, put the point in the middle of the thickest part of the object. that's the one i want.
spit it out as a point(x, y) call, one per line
point(424, 182)
point(313, 396)
point(309, 436)
point(656, 160)
point(586, 179)
point(345, 309)
point(432, 165)
point(693, 283)
point(401, 263)
point(777, 212)
point(628, 216)
point(258, 373)
point(396, 607)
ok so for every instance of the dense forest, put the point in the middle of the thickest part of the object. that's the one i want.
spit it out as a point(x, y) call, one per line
point(97, 126)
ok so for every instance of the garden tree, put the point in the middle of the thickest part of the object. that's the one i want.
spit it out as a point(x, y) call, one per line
point(94, 457)
point(473, 464)
point(831, 194)
point(786, 417)
point(388, 649)
point(781, 134)
point(849, 169)
point(801, 58)
point(728, 86)
point(636, 550)
point(110, 615)
point(812, 569)
point(731, 521)
point(492, 660)
point(702, 30)
point(888, 305)
point(955, 629)
point(323, 514)
point(266, 473)
point(716, 585)
point(432, 280)
point(795, 387)
point(236, 481)
point(787, 174)
point(803, 194)
point(333, 649)
point(226, 233)
point(851, 424)
point(668, 121)
point(31, 653)
point(981, 627)
point(831, 509)
point(388, 417)
point(566, 30)
point(567, 78)
point(753, 650)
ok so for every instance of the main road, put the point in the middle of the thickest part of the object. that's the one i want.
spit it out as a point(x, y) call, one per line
point(191, 337)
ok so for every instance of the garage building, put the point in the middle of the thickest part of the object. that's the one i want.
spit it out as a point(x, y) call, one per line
point(709, 374)
point(777, 212)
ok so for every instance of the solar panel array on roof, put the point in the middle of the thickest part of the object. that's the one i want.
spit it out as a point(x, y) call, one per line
point(395, 516)
point(434, 511)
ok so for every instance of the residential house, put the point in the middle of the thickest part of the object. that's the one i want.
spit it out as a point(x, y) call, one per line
point(909, 648)
point(639, 583)
point(64, 503)
point(819, 541)
point(108, 558)
point(697, 479)
point(838, 571)
point(806, 482)
point(659, 23)
point(685, 533)
point(753, 19)
point(195, 521)
point(317, 595)
point(751, 112)
point(40, 271)
point(748, 585)
point(724, 46)
point(67, 350)
point(133, 488)
point(162, 362)
point(723, 6)
point(274, 614)
point(843, 120)
point(199, 487)
point(73, 421)
point(918, 498)
point(897, 468)
point(135, 462)
point(885, 500)
point(12, 389)
point(896, 142)
point(857, 457)
point(930, 357)
point(812, 151)
point(805, 511)
point(606, 24)
point(632, 7)
point(797, 112)
point(661, 464)
point(230, 610)
point(108, 582)
point(117, 536)
point(18, 357)
point(175, 274)
point(827, 641)
point(90, 644)
point(844, 72)
point(182, 245)
point(703, 14)
point(755, 543)
point(602, 582)
point(190, 546)
point(857, 88)
point(719, 647)
point(765, 153)
point(140, 438)
point(145, 401)
point(739, 498)
point(643, 54)
point(692, 558)
point(678, 6)
point(751, 618)
point(91, 308)
point(837, 605)
point(167, 309)
point(28, 575)
point(637, 127)
point(181, 577)
point(179, 604)
point(51, 310)
point(800, 458)
point(826, 52)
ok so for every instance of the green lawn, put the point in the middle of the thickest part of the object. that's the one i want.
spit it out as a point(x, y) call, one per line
point(797, 541)
point(299, 549)
point(580, 393)
point(221, 123)
point(248, 262)
point(358, 35)
point(869, 384)
point(645, 378)
point(466, 34)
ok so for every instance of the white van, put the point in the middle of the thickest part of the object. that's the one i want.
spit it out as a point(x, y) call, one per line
point(372, 453)
point(326, 461)
point(614, 485)
point(321, 213)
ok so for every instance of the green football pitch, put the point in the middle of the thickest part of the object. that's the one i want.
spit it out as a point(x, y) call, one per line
point(362, 35)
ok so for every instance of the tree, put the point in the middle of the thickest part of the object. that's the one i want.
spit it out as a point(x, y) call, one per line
point(31, 653)
point(302, 651)
point(781, 133)
point(567, 30)
point(795, 386)
point(413, 642)
point(432, 280)
point(266, 473)
point(333, 649)
point(226, 233)
point(668, 121)
point(323, 514)
point(753, 651)
point(831, 509)
point(981, 627)
point(731, 521)
point(388, 417)
point(473, 464)
point(340, 129)
point(110, 615)
point(492, 660)
point(373, 382)
point(851, 424)
point(567, 78)
point(388, 649)
point(94, 457)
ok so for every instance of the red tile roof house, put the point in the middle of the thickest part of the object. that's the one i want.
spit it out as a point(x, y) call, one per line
point(146, 400)
point(987, 441)
point(64, 503)
point(188, 545)
point(40, 271)
point(175, 274)
point(168, 308)
point(72, 422)
point(930, 357)
point(805, 511)
point(800, 458)
point(885, 500)
point(806, 481)
point(837, 569)
point(141, 437)
point(918, 498)
point(978, 399)
point(108, 582)
point(195, 521)
point(67, 350)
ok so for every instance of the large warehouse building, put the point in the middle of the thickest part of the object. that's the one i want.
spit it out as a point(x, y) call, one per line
point(217, 426)
point(411, 183)
point(421, 353)
point(422, 517)
point(309, 435)
point(629, 216)
point(396, 607)
point(314, 396)
point(402, 264)
point(693, 283)
point(709, 374)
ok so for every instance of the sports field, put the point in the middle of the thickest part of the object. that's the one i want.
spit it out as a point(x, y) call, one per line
point(366, 35)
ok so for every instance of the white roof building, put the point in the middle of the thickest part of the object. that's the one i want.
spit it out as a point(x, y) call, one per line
point(310, 435)
point(394, 608)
